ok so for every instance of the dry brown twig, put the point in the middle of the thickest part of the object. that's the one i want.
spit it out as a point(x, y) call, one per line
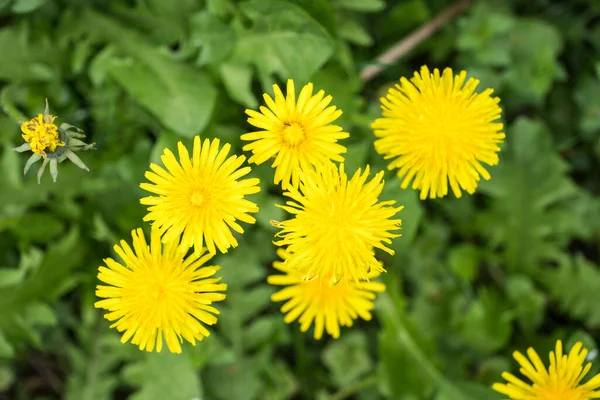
point(411, 41)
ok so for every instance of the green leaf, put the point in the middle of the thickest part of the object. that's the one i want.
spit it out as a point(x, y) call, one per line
point(26, 59)
point(7, 377)
point(237, 79)
point(411, 215)
point(182, 97)
point(239, 380)
point(486, 326)
point(162, 376)
point(529, 217)
point(348, 358)
point(527, 299)
point(11, 276)
point(279, 26)
point(464, 261)
point(26, 6)
point(215, 39)
point(322, 11)
point(575, 284)
point(38, 227)
point(6, 349)
point(360, 5)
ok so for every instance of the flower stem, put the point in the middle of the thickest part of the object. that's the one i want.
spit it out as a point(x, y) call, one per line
point(393, 318)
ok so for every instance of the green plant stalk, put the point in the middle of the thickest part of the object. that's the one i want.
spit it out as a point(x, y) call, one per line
point(395, 316)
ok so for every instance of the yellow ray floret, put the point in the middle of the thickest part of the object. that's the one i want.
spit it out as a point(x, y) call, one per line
point(157, 294)
point(200, 197)
point(298, 134)
point(319, 303)
point(437, 132)
point(337, 223)
point(562, 381)
point(41, 134)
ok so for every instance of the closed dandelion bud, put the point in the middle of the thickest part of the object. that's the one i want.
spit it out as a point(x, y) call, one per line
point(54, 144)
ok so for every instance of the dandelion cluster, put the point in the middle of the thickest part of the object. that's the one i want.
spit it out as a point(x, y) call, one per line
point(436, 130)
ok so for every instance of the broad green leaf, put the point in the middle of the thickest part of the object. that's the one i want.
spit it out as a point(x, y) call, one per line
point(38, 227)
point(239, 380)
point(410, 215)
point(182, 97)
point(529, 189)
point(24, 59)
point(464, 261)
point(322, 11)
point(575, 284)
point(348, 358)
point(360, 5)
point(528, 301)
point(26, 6)
point(486, 326)
point(237, 79)
point(215, 39)
point(162, 376)
point(278, 26)
point(10, 276)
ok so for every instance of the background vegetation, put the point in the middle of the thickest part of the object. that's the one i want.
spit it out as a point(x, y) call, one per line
point(473, 278)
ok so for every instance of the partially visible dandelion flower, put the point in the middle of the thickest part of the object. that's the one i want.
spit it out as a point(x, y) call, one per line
point(319, 303)
point(438, 131)
point(562, 381)
point(158, 294)
point(297, 134)
point(200, 197)
point(51, 143)
point(337, 224)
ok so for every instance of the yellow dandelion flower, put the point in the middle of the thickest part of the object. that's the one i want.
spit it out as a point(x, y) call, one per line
point(41, 134)
point(157, 293)
point(200, 197)
point(325, 305)
point(337, 224)
point(438, 130)
point(297, 133)
point(560, 382)
point(51, 143)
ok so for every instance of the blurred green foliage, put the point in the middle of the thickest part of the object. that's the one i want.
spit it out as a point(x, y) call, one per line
point(473, 279)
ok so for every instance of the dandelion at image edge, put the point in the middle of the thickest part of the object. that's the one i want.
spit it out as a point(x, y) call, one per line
point(318, 303)
point(200, 197)
point(561, 381)
point(437, 132)
point(297, 133)
point(157, 294)
point(337, 223)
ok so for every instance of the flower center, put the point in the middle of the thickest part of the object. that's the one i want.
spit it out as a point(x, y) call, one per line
point(293, 134)
point(198, 198)
point(41, 135)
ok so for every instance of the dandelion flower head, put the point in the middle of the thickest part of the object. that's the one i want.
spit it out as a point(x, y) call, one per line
point(437, 132)
point(42, 134)
point(297, 133)
point(337, 223)
point(562, 381)
point(316, 302)
point(156, 293)
point(200, 197)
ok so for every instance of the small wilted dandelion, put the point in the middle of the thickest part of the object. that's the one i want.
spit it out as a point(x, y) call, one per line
point(157, 293)
point(319, 303)
point(200, 197)
point(438, 131)
point(51, 143)
point(337, 224)
point(297, 133)
point(562, 381)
